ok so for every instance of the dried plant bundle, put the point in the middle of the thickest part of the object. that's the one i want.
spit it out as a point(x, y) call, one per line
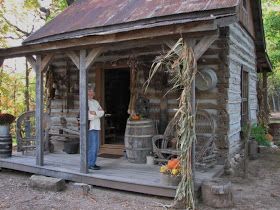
point(181, 64)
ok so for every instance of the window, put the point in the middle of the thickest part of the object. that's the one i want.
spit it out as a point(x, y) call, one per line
point(244, 96)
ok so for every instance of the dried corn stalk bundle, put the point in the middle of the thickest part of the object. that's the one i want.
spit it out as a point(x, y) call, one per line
point(182, 65)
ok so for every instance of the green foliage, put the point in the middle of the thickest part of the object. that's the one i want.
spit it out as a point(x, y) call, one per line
point(271, 16)
point(56, 8)
point(31, 4)
point(259, 134)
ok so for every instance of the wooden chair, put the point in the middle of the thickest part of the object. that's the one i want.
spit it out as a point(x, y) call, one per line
point(163, 148)
point(163, 145)
point(26, 132)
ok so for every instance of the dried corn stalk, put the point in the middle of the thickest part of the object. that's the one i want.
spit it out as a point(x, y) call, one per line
point(181, 64)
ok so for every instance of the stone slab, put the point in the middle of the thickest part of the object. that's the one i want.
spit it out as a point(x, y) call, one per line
point(46, 183)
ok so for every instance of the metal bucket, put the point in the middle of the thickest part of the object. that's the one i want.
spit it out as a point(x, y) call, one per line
point(5, 130)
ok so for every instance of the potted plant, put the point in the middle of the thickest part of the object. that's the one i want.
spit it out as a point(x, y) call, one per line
point(259, 134)
point(171, 173)
point(259, 139)
point(5, 121)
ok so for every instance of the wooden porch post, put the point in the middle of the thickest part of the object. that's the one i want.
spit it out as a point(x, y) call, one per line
point(39, 65)
point(193, 143)
point(265, 95)
point(83, 112)
point(39, 113)
point(83, 61)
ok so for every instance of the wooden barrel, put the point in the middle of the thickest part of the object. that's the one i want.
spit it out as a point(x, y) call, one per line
point(138, 140)
point(5, 146)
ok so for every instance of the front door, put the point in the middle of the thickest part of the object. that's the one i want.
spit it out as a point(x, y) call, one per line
point(116, 96)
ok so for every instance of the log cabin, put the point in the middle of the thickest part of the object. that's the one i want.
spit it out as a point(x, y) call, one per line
point(98, 43)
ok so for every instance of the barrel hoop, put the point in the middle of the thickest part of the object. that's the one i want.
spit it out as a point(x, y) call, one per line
point(139, 122)
point(138, 149)
point(140, 126)
point(143, 136)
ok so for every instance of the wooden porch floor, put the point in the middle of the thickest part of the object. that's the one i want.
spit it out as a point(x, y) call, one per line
point(115, 173)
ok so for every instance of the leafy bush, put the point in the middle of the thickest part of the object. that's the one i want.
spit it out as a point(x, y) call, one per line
point(259, 134)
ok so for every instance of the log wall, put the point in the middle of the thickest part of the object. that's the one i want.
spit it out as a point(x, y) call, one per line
point(241, 53)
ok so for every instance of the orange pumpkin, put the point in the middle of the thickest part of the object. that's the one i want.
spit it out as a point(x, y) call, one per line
point(135, 117)
point(173, 164)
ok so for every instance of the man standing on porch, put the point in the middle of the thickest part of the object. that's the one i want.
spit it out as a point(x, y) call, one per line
point(95, 112)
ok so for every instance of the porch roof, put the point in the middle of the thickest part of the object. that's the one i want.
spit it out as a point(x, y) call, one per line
point(92, 17)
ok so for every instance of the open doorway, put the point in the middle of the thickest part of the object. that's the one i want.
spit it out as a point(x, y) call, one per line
point(117, 96)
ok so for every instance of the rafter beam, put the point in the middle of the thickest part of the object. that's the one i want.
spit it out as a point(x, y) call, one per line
point(135, 35)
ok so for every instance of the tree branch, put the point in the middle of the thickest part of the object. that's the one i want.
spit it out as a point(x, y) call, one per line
point(16, 27)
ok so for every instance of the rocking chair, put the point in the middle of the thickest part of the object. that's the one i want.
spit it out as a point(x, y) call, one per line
point(164, 145)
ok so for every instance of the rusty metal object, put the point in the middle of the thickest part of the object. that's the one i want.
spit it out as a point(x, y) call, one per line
point(88, 14)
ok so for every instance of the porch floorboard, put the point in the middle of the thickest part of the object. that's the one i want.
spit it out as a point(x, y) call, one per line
point(115, 173)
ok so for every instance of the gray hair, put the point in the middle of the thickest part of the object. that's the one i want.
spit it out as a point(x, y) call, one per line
point(91, 87)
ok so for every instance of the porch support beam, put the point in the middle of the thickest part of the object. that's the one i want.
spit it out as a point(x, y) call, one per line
point(74, 58)
point(32, 61)
point(92, 55)
point(265, 96)
point(202, 46)
point(1, 62)
point(83, 63)
point(39, 112)
point(39, 65)
point(45, 62)
point(83, 113)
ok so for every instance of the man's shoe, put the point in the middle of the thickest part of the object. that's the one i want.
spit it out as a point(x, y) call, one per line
point(95, 167)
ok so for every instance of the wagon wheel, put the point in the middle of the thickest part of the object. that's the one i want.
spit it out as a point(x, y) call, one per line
point(205, 132)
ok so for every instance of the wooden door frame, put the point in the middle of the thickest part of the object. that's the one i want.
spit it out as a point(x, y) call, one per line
point(100, 92)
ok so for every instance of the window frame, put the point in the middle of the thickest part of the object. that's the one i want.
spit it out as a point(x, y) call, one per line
point(245, 96)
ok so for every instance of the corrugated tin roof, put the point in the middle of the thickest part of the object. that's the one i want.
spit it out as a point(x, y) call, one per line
point(89, 14)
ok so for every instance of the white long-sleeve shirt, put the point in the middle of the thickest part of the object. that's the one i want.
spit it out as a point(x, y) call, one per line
point(93, 105)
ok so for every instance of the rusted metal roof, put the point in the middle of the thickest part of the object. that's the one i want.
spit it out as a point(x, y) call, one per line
point(91, 14)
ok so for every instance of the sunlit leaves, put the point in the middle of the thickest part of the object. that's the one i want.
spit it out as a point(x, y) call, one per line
point(31, 4)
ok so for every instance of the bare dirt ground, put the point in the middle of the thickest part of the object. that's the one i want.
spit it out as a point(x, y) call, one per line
point(261, 191)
